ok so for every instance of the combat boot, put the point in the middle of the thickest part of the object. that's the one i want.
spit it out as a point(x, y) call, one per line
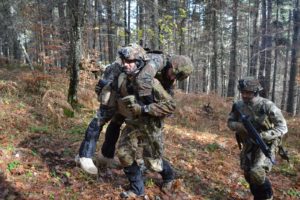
point(87, 165)
point(167, 186)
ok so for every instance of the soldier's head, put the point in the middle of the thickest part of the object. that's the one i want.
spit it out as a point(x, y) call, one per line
point(179, 67)
point(133, 58)
point(249, 88)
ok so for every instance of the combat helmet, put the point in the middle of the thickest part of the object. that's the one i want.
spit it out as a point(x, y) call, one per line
point(133, 52)
point(249, 84)
point(182, 66)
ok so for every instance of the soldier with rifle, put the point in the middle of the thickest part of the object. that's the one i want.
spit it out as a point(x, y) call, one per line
point(259, 127)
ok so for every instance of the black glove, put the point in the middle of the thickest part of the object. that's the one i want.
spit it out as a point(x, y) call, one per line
point(101, 83)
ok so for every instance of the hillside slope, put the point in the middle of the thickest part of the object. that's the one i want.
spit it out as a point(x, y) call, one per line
point(40, 135)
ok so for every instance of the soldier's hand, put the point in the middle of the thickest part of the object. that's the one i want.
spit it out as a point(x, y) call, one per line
point(98, 89)
point(135, 109)
point(101, 83)
point(238, 127)
point(268, 135)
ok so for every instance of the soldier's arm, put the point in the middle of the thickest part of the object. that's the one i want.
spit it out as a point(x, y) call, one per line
point(163, 104)
point(233, 121)
point(146, 76)
point(277, 119)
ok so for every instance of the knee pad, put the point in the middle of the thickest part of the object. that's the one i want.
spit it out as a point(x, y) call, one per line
point(125, 157)
point(154, 164)
point(257, 176)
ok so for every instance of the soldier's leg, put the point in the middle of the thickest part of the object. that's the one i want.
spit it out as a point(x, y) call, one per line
point(88, 145)
point(260, 185)
point(92, 133)
point(111, 136)
point(127, 154)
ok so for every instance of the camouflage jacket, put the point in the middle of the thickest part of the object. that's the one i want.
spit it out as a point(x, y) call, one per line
point(163, 104)
point(263, 114)
point(112, 71)
point(146, 76)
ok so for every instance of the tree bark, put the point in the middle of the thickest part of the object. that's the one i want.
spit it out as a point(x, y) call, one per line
point(286, 67)
point(110, 32)
point(233, 63)
point(294, 62)
point(77, 12)
point(255, 42)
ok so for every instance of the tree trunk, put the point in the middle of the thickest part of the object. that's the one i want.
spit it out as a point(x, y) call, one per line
point(276, 56)
point(233, 63)
point(95, 28)
point(268, 62)
point(255, 42)
point(294, 62)
point(64, 35)
point(110, 32)
point(76, 15)
point(154, 17)
point(262, 65)
point(286, 67)
point(214, 63)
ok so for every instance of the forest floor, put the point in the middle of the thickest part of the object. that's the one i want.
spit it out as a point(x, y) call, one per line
point(40, 136)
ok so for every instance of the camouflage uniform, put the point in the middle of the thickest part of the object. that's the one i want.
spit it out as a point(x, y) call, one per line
point(149, 64)
point(155, 64)
point(270, 123)
point(144, 132)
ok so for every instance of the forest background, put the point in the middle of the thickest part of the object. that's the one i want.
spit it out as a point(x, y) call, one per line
point(51, 51)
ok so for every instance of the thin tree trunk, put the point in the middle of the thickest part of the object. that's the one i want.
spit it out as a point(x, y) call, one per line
point(154, 17)
point(286, 67)
point(255, 42)
point(214, 63)
point(294, 67)
point(233, 63)
point(76, 15)
point(262, 65)
point(276, 56)
point(110, 32)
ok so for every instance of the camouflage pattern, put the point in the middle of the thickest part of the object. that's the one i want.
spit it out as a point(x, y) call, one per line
point(145, 77)
point(133, 52)
point(182, 66)
point(113, 70)
point(249, 84)
point(269, 121)
point(144, 131)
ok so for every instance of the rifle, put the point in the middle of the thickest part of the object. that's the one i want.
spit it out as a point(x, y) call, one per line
point(254, 134)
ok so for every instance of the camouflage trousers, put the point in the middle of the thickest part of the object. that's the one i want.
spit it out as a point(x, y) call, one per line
point(142, 139)
point(254, 163)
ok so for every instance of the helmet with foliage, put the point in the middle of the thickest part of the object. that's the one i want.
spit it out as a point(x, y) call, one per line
point(133, 52)
point(182, 66)
point(249, 84)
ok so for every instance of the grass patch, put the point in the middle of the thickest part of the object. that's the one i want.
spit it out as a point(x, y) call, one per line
point(39, 129)
point(69, 113)
point(293, 192)
point(77, 130)
point(212, 147)
point(12, 165)
point(149, 182)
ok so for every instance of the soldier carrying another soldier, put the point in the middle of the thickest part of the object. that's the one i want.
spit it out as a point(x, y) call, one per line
point(167, 69)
